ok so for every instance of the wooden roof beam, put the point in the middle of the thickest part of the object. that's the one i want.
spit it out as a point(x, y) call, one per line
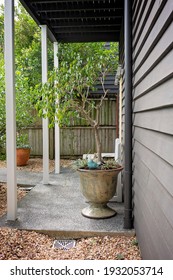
point(69, 1)
point(85, 29)
point(55, 23)
point(62, 7)
point(88, 37)
point(74, 15)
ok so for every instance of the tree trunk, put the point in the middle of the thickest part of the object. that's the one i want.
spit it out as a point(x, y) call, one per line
point(98, 143)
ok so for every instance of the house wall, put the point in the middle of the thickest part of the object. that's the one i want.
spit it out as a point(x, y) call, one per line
point(153, 127)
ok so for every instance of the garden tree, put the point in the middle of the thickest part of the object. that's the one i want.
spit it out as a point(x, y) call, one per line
point(25, 30)
point(67, 94)
point(24, 104)
point(1, 29)
point(28, 69)
point(28, 47)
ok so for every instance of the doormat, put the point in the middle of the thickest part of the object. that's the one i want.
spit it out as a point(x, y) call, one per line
point(64, 244)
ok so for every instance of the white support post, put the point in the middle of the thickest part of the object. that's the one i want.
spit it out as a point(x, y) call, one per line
point(45, 121)
point(119, 193)
point(119, 196)
point(57, 128)
point(10, 110)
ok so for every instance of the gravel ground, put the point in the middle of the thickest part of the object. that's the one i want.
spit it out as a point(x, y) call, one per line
point(29, 245)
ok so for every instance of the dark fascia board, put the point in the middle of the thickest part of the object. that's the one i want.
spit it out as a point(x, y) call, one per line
point(92, 37)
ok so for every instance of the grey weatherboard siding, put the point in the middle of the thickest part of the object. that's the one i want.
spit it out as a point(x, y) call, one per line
point(152, 33)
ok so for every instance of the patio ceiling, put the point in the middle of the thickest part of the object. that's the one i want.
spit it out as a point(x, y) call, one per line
point(78, 20)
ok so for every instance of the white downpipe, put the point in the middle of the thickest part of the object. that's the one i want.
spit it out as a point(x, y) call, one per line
point(57, 128)
point(45, 122)
point(10, 110)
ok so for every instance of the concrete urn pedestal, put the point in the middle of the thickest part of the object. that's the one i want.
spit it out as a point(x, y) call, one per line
point(98, 187)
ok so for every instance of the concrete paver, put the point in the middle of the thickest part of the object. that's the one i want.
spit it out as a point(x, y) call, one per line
point(56, 208)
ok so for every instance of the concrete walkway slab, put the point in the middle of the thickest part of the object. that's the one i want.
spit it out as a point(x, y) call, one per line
point(23, 177)
point(56, 208)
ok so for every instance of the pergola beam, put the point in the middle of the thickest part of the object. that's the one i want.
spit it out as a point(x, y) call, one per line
point(86, 29)
point(83, 14)
point(99, 37)
point(86, 23)
point(67, 1)
point(76, 7)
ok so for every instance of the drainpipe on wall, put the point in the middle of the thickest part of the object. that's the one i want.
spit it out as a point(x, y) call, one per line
point(128, 223)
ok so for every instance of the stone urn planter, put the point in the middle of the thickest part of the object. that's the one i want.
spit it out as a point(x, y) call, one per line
point(98, 187)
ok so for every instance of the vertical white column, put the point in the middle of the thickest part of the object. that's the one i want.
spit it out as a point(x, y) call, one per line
point(57, 128)
point(45, 122)
point(10, 110)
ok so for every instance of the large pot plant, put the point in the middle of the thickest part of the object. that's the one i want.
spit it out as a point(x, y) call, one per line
point(22, 149)
point(68, 95)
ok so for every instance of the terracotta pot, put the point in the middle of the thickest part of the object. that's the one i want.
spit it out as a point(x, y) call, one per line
point(22, 156)
point(98, 187)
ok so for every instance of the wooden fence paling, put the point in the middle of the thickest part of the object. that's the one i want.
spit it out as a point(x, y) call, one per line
point(75, 141)
point(78, 139)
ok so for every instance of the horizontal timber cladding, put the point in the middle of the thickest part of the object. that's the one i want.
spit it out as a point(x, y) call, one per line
point(78, 138)
point(153, 127)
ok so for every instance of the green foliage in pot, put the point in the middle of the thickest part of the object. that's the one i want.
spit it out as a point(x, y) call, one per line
point(85, 164)
point(22, 141)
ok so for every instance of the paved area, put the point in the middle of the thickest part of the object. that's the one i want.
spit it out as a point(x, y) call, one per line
point(23, 177)
point(56, 208)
